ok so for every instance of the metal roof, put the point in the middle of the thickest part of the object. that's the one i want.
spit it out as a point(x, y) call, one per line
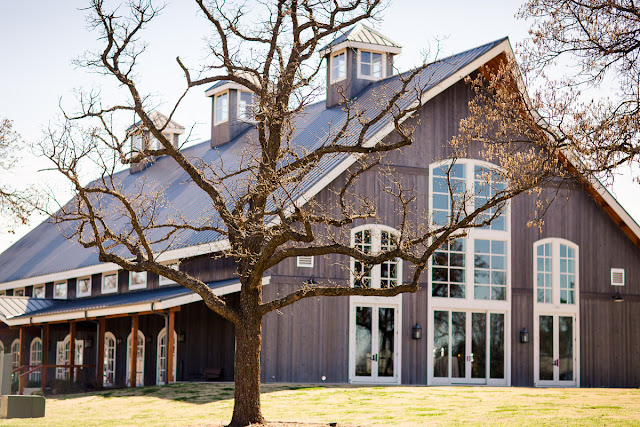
point(363, 34)
point(21, 307)
point(45, 250)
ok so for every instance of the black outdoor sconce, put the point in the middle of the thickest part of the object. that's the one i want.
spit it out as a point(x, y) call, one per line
point(416, 332)
point(617, 297)
point(119, 341)
point(181, 337)
point(89, 343)
point(524, 336)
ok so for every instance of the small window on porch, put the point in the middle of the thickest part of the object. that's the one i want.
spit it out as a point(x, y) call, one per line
point(83, 287)
point(60, 290)
point(39, 291)
point(18, 292)
point(137, 279)
point(109, 282)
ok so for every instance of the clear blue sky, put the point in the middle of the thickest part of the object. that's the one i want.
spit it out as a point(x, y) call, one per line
point(41, 38)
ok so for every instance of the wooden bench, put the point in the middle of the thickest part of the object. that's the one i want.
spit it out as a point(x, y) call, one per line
point(212, 374)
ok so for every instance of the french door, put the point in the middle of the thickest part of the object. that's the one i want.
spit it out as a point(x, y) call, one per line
point(555, 350)
point(468, 347)
point(374, 347)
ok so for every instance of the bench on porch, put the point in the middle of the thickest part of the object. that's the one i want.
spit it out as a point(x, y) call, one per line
point(209, 374)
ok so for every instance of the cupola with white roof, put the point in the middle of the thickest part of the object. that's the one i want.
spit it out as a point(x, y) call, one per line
point(141, 138)
point(356, 59)
point(231, 112)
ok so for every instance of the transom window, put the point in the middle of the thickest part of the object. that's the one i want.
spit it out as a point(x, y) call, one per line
point(448, 271)
point(83, 287)
point(38, 291)
point(556, 271)
point(222, 108)
point(372, 240)
point(109, 283)
point(371, 64)
point(490, 269)
point(60, 290)
point(338, 67)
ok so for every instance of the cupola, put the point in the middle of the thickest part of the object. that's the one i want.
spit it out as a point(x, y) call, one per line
point(356, 59)
point(141, 138)
point(231, 111)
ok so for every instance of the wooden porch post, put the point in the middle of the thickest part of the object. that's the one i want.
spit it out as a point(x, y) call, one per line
point(21, 379)
point(100, 361)
point(45, 355)
point(134, 351)
point(170, 344)
point(72, 351)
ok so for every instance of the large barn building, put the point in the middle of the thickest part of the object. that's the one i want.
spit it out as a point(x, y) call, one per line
point(506, 305)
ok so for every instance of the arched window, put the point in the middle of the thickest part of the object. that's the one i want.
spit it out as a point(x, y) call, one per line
point(35, 359)
point(109, 370)
point(556, 271)
point(62, 356)
point(139, 361)
point(162, 356)
point(15, 357)
point(1, 347)
point(372, 239)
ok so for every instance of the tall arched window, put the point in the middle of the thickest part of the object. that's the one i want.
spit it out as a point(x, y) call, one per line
point(556, 313)
point(15, 357)
point(139, 361)
point(62, 356)
point(109, 369)
point(1, 347)
point(35, 359)
point(372, 239)
point(162, 356)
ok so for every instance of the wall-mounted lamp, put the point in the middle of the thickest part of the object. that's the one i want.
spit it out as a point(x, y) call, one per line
point(119, 341)
point(147, 339)
point(524, 336)
point(88, 343)
point(416, 332)
point(617, 297)
point(310, 281)
point(181, 337)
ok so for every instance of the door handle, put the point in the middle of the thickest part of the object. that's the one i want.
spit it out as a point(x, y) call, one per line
point(556, 362)
point(374, 357)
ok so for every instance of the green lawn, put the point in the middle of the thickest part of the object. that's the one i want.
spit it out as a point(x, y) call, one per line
point(211, 404)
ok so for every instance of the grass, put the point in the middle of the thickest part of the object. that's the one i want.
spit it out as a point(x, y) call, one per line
point(198, 404)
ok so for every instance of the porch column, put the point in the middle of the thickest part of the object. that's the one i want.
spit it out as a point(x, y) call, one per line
point(45, 355)
point(134, 351)
point(170, 344)
point(21, 379)
point(72, 351)
point(100, 356)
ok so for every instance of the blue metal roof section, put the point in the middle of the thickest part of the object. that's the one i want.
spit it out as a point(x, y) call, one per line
point(45, 250)
point(14, 307)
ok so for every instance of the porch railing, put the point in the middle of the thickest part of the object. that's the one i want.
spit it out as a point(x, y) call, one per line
point(29, 369)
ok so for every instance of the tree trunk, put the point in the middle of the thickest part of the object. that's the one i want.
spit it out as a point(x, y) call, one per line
point(246, 408)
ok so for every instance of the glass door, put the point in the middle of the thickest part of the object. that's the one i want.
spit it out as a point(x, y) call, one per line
point(555, 345)
point(468, 347)
point(375, 344)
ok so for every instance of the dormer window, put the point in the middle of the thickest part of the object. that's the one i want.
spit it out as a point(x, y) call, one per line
point(371, 65)
point(222, 108)
point(245, 106)
point(137, 143)
point(338, 67)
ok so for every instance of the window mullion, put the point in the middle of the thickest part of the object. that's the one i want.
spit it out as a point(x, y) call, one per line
point(555, 273)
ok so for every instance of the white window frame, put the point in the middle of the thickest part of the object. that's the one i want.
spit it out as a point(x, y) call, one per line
point(137, 143)
point(23, 290)
point(162, 335)
point(81, 294)
point(38, 287)
point(335, 79)
point(140, 358)
point(35, 359)
point(383, 73)
point(555, 308)
point(15, 353)
point(102, 279)
point(163, 281)
point(133, 286)
point(65, 287)
point(110, 359)
point(62, 356)
point(306, 261)
point(215, 108)
point(469, 302)
point(240, 114)
point(376, 232)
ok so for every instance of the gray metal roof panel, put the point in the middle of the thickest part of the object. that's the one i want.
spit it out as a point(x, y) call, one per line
point(45, 250)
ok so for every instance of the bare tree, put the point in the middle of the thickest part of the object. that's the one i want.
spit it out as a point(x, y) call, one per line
point(256, 207)
point(597, 44)
point(16, 204)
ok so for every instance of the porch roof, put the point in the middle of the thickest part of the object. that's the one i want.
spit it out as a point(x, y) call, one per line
point(29, 310)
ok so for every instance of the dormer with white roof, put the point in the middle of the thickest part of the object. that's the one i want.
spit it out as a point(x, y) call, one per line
point(141, 138)
point(231, 112)
point(356, 59)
